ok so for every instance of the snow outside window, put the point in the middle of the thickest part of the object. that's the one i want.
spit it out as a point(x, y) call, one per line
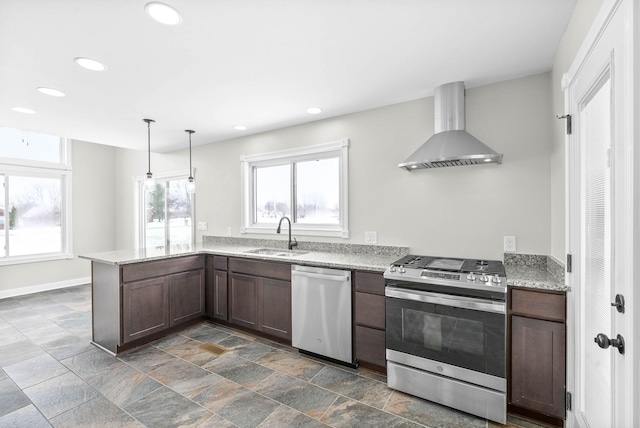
point(309, 185)
point(165, 212)
point(35, 197)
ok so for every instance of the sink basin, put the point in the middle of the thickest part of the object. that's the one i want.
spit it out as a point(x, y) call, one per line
point(275, 252)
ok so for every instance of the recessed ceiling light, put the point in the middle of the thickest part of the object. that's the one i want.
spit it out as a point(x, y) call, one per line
point(90, 64)
point(23, 110)
point(314, 110)
point(240, 128)
point(163, 13)
point(51, 91)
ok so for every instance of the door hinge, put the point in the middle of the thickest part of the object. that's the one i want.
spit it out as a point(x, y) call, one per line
point(568, 401)
point(569, 260)
point(568, 118)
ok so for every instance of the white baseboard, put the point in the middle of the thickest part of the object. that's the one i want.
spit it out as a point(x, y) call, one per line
point(44, 287)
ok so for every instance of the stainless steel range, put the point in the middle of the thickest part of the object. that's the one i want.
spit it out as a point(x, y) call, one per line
point(446, 332)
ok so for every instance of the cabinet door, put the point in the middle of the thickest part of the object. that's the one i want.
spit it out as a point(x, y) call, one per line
point(274, 307)
point(145, 308)
point(538, 365)
point(243, 299)
point(219, 305)
point(186, 291)
point(209, 294)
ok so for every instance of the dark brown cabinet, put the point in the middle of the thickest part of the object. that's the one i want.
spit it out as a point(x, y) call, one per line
point(216, 288)
point(260, 296)
point(274, 310)
point(186, 296)
point(156, 296)
point(243, 299)
point(145, 308)
point(538, 351)
point(369, 319)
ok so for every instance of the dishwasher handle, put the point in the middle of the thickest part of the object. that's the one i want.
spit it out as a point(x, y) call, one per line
point(321, 276)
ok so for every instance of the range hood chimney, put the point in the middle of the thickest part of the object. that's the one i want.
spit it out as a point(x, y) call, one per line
point(451, 145)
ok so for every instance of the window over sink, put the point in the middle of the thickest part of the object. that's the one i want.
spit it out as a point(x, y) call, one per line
point(308, 184)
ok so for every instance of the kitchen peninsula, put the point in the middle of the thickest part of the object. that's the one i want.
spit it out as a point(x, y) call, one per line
point(140, 295)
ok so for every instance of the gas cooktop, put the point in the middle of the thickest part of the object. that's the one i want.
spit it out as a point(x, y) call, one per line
point(474, 274)
point(449, 264)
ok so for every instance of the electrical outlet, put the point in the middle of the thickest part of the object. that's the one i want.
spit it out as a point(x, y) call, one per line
point(510, 244)
point(202, 225)
point(370, 237)
point(229, 231)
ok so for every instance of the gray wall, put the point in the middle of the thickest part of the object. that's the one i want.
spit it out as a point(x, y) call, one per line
point(93, 223)
point(454, 211)
point(462, 211)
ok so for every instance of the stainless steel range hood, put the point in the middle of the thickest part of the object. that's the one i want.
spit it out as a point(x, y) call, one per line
point(451, 145)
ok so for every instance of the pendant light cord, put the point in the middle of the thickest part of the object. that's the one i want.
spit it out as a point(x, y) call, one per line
point(149, 142)
point(149, 145)
point(189, 131)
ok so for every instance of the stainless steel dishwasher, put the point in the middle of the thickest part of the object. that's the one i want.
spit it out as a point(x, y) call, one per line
point(321, 312)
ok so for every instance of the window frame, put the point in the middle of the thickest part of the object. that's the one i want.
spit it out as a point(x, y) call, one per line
point(249, 163)
point(40, 169)
point(139, 206)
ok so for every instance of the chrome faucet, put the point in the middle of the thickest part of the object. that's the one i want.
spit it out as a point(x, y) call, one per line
point(291, 244)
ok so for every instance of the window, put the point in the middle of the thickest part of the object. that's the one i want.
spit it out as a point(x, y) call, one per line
point(35, 197)
point(165, 212)
point(309, 185)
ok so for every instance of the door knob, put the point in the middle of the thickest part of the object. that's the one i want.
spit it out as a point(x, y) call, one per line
point(604, 342)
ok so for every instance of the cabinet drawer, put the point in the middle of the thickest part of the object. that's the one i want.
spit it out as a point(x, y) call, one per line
point(216, 262)
point(219, 262)
point(370, 346)
point(260, 268)
point(369, 282)
point(538, 304)
point(370, 310)
point(138, 271)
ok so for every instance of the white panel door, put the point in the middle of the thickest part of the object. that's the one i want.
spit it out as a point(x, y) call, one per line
point(599, 221)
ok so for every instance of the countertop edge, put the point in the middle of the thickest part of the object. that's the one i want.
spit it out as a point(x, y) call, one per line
point(538, 285)
point(517, 276)
point(319, 259)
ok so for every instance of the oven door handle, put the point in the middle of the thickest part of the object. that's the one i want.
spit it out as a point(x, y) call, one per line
point(445, 299)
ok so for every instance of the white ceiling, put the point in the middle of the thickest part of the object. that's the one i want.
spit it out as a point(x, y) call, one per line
point(259, 63)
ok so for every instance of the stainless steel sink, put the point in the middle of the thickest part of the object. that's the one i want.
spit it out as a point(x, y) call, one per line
point(275, 252)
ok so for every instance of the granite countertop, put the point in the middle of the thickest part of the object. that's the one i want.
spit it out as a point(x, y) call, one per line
point(522, 270)
point(533, 277)
point(340, 256)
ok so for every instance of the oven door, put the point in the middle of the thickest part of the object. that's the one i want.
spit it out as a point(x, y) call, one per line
point(464, 332)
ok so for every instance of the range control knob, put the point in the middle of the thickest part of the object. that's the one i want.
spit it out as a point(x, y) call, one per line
point(401, 269)
point(496, 280)
point(392, 268)
point(471, 277)
point(484, 278)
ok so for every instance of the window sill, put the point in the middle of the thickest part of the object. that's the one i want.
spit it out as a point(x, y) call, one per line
point(298, 230)
point(34, 259)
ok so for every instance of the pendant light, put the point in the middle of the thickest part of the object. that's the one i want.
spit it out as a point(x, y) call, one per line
point(191, 184)
point(149, 182)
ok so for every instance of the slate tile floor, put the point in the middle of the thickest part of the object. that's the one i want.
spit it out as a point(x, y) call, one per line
point(51, 375)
